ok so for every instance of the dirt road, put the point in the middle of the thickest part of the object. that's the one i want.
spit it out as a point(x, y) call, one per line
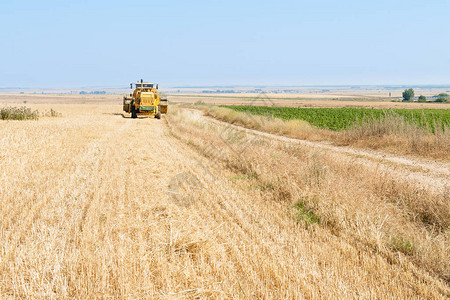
point(97, 205)
point(426, 173)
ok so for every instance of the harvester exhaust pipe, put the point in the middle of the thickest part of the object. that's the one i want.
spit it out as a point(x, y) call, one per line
point(142, 81)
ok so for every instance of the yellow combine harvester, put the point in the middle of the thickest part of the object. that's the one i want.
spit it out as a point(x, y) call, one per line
point(145, 101)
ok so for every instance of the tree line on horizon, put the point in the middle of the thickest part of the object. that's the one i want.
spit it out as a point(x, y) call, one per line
point(408, 95)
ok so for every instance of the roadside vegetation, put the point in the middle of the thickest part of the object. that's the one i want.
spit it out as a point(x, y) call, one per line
point(418, 132)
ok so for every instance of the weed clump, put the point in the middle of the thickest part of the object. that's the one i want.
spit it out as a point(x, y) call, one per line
point(25, 113)
point(18, 113)
point(402, 245)
point(51, 113)
point(306, 215)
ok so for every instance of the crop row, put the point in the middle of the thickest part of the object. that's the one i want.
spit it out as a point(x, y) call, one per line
point(343, 118)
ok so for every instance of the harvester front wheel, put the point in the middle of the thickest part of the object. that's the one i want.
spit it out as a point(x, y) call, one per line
point(133, 112)
point(158, 115)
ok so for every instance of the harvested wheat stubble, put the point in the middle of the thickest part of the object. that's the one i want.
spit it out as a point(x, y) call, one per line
point(86, 213)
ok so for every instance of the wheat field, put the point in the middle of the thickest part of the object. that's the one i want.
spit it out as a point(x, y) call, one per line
point(94, 204)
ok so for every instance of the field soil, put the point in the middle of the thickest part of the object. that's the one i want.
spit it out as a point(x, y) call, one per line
point(94, 204)
point(305, 100)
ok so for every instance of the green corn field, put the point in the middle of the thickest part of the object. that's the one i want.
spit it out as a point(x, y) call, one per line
point(343, 118)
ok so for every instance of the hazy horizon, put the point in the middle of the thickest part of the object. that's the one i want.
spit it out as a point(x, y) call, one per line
point(126, 86)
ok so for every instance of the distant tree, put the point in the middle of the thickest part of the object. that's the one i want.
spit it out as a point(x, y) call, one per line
point(422, 98)
point(408, 95)
point(442, 97)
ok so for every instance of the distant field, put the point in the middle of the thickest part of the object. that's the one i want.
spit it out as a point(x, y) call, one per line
point(285, 100)
point(305, 100)
point(343, 118)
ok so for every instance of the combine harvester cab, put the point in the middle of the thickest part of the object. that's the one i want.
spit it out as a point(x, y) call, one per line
point(145, 101)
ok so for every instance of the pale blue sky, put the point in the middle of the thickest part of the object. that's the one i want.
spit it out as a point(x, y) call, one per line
point(111, 43)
